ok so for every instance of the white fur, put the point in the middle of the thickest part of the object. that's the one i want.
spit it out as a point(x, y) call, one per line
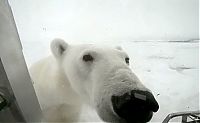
point(64, 82)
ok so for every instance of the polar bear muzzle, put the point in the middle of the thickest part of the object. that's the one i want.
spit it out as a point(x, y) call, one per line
point(135, 107)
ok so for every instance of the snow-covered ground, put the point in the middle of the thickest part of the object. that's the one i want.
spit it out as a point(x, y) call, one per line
point(169, 68)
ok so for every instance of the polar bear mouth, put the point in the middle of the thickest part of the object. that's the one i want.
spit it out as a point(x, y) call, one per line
point(137, 106)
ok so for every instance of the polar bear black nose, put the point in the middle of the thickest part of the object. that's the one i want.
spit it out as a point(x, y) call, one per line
point(135, 107)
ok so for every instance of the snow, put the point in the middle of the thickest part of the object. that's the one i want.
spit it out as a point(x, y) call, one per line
point(170, 70)
point(169, 67)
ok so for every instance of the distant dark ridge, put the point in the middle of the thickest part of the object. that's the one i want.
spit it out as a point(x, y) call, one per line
point(171, 41)
point(187, 41)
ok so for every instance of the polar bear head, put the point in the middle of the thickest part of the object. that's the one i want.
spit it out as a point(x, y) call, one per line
point(102, 77)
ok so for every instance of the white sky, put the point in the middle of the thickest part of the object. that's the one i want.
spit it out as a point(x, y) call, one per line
point(107, 20)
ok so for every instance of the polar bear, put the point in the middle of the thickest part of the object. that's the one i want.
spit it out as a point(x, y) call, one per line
point(98, 76)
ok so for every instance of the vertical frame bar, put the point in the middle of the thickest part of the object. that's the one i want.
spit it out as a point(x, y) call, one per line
point(12, 60)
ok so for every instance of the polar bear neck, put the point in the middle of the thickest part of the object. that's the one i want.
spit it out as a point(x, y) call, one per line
point(53, 85)
point(63, 87)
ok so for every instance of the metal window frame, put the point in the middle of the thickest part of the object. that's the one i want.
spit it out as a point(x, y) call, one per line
point(18, 84)
point(184, 116)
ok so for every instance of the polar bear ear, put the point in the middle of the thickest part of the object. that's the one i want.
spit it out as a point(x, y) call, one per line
point(58, 46)
point(119, 47)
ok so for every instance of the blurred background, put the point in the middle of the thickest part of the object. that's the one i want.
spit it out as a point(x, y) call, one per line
point(160, 36)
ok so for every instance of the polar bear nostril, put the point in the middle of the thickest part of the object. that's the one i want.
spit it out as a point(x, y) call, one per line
point(137, 106)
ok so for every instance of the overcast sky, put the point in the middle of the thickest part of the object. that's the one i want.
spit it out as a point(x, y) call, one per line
point(107, 20)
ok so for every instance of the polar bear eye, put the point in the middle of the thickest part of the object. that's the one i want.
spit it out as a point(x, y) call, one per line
point(127, 60)
point(87, 58)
